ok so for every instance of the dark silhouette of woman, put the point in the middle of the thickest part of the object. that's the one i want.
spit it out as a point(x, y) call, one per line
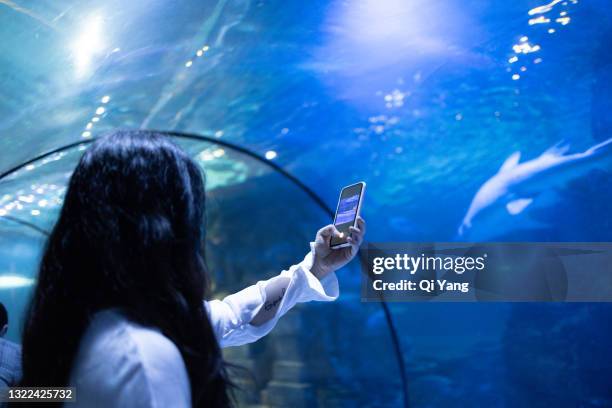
point(118, 310)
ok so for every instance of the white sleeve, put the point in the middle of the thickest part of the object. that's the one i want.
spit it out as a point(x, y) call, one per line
point(231, 316)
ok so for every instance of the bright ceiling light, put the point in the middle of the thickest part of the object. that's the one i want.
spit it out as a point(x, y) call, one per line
point(14, 281)
point(87, 44)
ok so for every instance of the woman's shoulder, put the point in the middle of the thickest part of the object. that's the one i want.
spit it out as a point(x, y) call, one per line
point(112, 335)
point(123, 363)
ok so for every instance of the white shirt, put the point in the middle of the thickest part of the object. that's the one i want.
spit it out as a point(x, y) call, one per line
point(123, 364)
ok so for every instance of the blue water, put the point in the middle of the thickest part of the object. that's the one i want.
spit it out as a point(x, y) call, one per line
point(421, 99)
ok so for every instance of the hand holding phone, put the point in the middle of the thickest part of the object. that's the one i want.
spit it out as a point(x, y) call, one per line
point(328, 259)
point(328, 256)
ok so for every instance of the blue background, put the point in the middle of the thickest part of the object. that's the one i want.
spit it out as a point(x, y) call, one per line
point(417, 98)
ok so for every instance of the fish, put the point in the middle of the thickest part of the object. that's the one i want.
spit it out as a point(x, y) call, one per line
point(516, 185)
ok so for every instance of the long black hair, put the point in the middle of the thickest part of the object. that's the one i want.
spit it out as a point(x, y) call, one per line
point(130, 235)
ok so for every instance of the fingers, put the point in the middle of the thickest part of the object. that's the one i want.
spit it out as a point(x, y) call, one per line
point(361, 224)
point(357, 232)
point(325, 231)
point(356, 237)
point(325, 234)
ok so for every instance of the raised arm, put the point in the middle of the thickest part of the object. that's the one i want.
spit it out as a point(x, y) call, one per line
point(250, 314)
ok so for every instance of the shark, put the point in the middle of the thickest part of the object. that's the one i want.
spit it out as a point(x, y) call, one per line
point(517, 184)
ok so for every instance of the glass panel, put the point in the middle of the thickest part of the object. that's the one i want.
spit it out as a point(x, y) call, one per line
point(424, 100)
point(34, 192)
point(258, 223)
point(20, 249)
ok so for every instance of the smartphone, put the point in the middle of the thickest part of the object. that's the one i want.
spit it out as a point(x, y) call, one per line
point(347, 211)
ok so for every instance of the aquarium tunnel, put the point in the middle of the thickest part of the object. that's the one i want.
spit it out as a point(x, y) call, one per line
point(284, 103)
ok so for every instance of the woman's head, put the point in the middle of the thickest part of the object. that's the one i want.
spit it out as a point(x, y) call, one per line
point(130, 235)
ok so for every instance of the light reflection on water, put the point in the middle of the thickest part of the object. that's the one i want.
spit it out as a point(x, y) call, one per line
point(423, 100)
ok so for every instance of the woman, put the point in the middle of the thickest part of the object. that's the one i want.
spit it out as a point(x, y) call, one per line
point(118, 310)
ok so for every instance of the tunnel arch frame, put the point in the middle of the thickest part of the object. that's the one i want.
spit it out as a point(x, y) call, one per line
point(241, 149)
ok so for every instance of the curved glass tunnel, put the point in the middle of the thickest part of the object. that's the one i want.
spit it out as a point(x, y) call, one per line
point(309, 357)
point(424, 100)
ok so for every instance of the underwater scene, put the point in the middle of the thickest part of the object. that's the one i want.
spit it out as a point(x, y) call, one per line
point(438, 105)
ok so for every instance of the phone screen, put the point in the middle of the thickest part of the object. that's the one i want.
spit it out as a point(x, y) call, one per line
point(346, 213)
